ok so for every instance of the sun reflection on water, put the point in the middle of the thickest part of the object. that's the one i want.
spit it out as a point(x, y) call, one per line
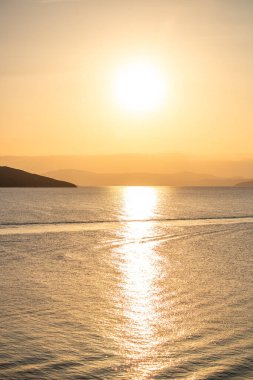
point(140, 272)
point(139, 202)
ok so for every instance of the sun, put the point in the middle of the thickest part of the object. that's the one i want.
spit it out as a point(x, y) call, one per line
point(140, 86)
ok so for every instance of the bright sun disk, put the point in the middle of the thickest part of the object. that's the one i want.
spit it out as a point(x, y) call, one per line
point(140, 87)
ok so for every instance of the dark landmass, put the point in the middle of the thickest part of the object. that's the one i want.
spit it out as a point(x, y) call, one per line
point(245, 184)
point(10, 177)
point(86, 178)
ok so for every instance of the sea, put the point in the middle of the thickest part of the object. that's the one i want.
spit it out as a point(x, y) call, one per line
point(126, 283)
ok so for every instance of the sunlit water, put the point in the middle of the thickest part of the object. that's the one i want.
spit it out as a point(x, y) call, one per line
point(126, 283)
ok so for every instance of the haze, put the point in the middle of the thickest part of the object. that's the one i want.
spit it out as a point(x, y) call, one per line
point(59, 59)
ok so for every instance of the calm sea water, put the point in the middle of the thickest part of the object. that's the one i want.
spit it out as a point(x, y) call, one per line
point(126, 283)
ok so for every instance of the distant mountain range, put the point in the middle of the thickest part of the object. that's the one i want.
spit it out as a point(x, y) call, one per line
point(239, 169)
point(10, 177)
point(86, 178)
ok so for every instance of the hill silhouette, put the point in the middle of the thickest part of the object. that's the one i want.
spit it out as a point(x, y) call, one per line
point(10, 177)
point(245, 184)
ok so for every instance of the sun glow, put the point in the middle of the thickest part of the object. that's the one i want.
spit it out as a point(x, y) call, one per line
point(140, 87)
point(139, 264)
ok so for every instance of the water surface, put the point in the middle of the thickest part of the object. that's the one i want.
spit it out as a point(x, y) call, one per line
point(126, 283)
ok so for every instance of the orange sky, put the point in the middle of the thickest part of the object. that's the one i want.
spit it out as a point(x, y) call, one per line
point(59, 59)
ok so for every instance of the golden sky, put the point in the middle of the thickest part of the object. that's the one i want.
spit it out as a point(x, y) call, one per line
point(60, 58)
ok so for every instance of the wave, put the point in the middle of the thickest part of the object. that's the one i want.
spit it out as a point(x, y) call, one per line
point(113, 221)
point(9, 228)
